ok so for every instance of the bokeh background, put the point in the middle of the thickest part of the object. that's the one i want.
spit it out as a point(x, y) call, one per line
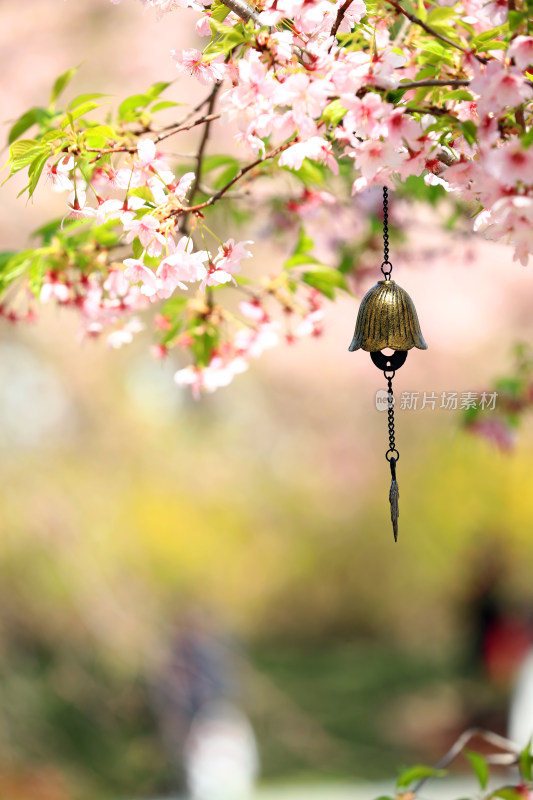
point(130, 513)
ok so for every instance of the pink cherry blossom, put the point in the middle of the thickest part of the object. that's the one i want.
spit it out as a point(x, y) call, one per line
point(217, 374)
point(183, 265)
point(54, 289)
point(521, 50)
point(146, 229)
point(124, 334)
point(499, 87)
point(59, 174)
point(191, 61)
point(315, 148)
point(373, 156)
point(169, 275)
point(253, 343)
point(182, 187)
point(303, 95)
point(511, 163)
point(77, 206)
point(137, 272)
point(253, 310)
point(116, 283)
point(230, 255)
point(352, 15)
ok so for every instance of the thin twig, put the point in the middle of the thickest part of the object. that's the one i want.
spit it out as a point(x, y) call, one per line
point(205, 136)
point(434, 110)
point(340, 16)
point(221, 192)
point(208, 118)
point(432, 31)
point(434, 82)
point(458, 746)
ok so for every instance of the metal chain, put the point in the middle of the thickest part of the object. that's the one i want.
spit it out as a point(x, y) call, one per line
point(392, 452)
point(386, 263)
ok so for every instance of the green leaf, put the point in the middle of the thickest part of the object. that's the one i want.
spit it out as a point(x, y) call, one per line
point(14, 265)
point(144, 193)
point(457, 94)
point(325, 280)
point(129, 108)
point(301, 259)
point(440, 14)
point(156, 89)
point(35, 171)
point(421, 8)
point(215, 161)
point(105, 234)
point(310, 173)
point(78, 112)
point(164, 104)
point(84, 98)
point(515, 19)
point(492, 45)
point(525, 763)
point(49, 230)
point(226, 176)
point(417, 773)
point(527, 140)
point(53, 137)
point(508, 793)
point(479, 766)
point(61, 82)
point(137, 248)
point(305, 243)
point(219, 11)
point(99, 135)
point(333, 113)
point(493, 33)
point(23, 152)
point(469, 131)
point(436, 47)
point(225, 38)
point(32, 117)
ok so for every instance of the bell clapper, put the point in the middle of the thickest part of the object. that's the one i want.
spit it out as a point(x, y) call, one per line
point(392, 455)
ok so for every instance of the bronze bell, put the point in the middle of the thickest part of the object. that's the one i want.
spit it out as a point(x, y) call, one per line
point(387, 318)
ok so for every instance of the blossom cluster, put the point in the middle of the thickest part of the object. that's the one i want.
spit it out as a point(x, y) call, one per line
point(362, 96)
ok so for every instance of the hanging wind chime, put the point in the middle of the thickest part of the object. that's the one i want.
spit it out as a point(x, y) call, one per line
point(387, 318)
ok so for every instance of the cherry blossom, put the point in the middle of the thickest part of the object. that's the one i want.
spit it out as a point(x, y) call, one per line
point(521, 51)
point(146, 229)
point(191, 61)
point(313, 97)
point(137, 272)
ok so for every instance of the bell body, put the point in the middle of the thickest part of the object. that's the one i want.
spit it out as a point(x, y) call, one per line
point(387, 318)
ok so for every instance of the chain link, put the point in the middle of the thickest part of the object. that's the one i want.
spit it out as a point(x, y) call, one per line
point(386, 262)
point(392, 452)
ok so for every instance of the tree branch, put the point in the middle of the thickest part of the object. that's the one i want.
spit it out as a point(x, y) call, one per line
point(205, 136)
point(428, 29)
point(243, 10)
point(340, 16)
point(434, 82)
point(221, 192)
point(208, 118)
